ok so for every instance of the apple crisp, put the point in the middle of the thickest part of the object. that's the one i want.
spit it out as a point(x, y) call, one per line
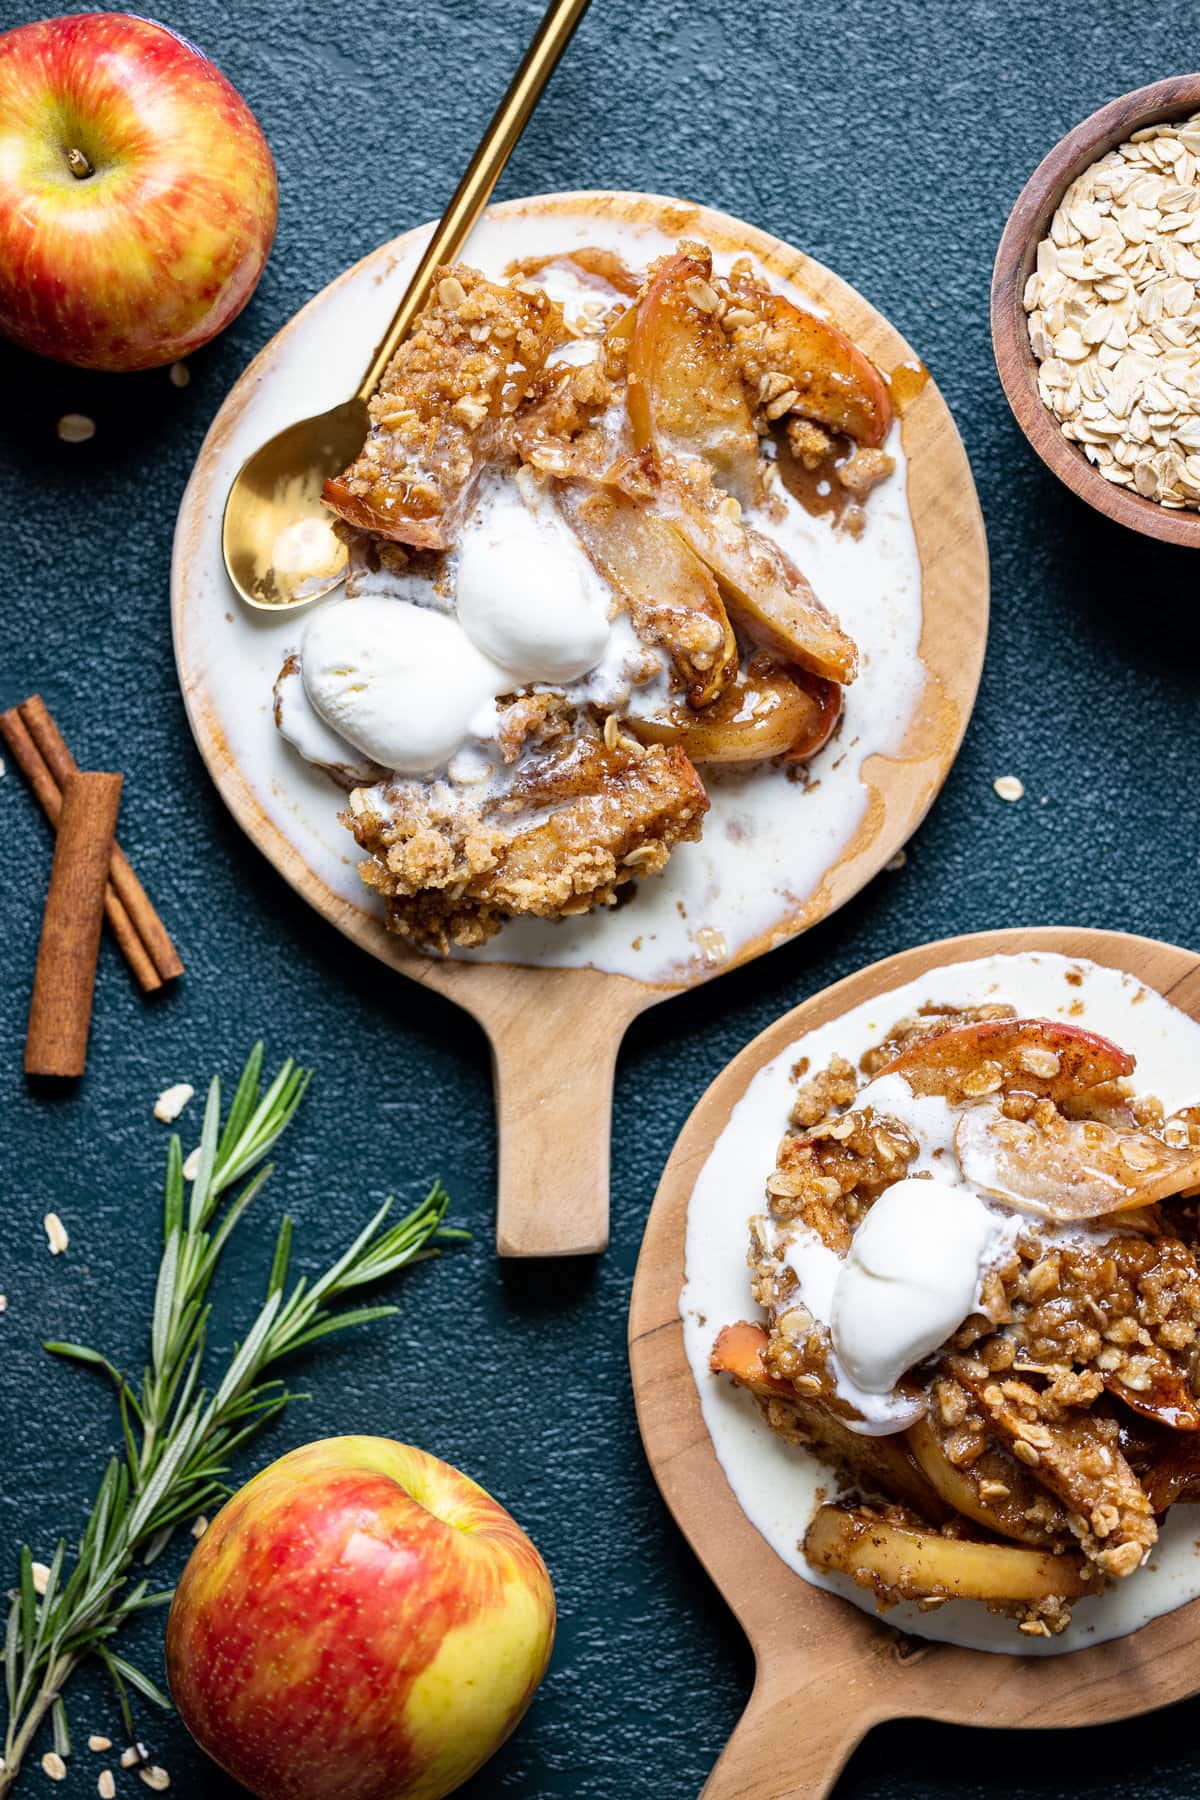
point(631, 622)
point(1027, 1458)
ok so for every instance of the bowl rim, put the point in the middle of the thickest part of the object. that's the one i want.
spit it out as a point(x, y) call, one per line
point(1166, 100)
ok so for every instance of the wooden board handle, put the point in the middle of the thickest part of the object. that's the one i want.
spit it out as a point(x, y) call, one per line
point(791, 1743)
point(554, 1050)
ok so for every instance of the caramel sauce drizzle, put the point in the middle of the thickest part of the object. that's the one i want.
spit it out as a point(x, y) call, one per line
point(906, 381)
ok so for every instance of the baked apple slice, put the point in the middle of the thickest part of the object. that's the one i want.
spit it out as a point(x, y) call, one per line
point(1044, 1057)
point(831, 379)
point(1168, 1400)
point(685, 396)
point(770, 598)
point(1067, 1169)
point(672, 598)
point(1174, 1473)
point(763, 712)
point(906, 1560)
point(740, 1352)
point(993, 1489)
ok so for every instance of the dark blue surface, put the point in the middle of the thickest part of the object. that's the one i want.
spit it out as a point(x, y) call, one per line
point(890, 141)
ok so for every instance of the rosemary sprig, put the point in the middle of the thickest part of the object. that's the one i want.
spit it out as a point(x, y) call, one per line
point(179, 1438)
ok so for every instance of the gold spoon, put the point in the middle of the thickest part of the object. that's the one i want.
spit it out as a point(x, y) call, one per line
point(280, 548)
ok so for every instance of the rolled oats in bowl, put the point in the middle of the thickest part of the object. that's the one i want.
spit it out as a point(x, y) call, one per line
point(1114, 314)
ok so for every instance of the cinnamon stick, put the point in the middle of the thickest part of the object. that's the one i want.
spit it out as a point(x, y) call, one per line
point(49, 796)
point(60, 1012)
point(133, 896)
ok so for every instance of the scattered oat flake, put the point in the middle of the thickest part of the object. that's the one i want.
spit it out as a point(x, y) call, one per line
point(96, 1742)
point(54, 1766)
point(191, 1167)
point(898, 861)
point(1009, 788)
point(200, 1527)
point(41, 1578)
point(132, 1756)
point(156, 1778)
point(180, 374)
point(75, 428)
point(172, 1100)
point(56, 1233)
point(3, 1303)
point(106, 1787)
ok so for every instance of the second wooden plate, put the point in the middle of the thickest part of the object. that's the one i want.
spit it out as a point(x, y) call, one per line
point(827, 1672)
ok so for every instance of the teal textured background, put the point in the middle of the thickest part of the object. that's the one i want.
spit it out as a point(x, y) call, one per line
point(889, 140)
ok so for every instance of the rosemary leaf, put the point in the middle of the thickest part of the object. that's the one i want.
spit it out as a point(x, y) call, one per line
point(179, 1433)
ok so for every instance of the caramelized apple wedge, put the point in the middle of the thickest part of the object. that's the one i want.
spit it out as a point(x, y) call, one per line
point(915, 1562)
point(1067, 1169)
point(768, 595)
point(1168, 1400)
point(1174, 1473)
point(1029, 1056)
point(993, 1489)
point(685, 396)
point(833, 382)
point(762, 712)
point(672, 598)
point(740, 1352)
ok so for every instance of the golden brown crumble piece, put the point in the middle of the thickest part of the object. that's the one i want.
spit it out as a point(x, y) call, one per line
point(809, 444)
point(1126, 1309)
point(864, 471)
point(830, 1176)
point(437, 414)
point(562, 430)
point(581, 821)
point(987, 1484)
point(831, 1090)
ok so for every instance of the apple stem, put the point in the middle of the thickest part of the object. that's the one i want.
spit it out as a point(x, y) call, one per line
point(78, 164)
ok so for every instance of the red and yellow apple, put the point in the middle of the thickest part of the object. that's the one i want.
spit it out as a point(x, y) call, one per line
point(360, 1622)
point(137, 193)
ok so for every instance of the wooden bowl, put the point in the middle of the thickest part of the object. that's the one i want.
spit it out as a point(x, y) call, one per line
point(826, 1671)
point(1029, 222)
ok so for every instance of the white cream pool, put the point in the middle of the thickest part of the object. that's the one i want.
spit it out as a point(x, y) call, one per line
point(777, 1483)
point(767, 842)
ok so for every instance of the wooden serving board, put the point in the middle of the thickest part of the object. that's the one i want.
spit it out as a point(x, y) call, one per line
point(555, 1032)
point(827, 1672)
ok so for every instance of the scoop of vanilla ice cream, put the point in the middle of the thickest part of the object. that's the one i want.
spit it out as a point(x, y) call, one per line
point(400, 682)
point(526, 594)
point(910, 1278)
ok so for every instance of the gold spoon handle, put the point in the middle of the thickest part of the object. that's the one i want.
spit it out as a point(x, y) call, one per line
point(550, 40)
